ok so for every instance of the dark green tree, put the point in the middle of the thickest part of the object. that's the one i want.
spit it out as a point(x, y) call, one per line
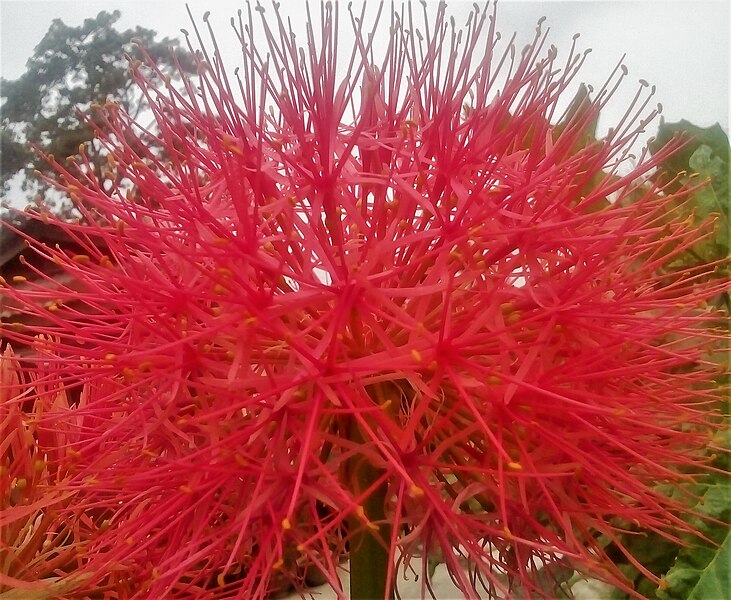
point(72, 68)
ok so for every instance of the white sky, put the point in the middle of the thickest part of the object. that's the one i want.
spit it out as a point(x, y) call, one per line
point(680, 46)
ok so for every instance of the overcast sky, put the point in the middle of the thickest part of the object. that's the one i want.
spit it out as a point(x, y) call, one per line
point(681, 46)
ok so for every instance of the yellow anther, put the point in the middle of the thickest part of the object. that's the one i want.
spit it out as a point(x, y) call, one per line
point(508, 533)
point(286, 525)
point(145, 366)
point(268, 246)
point(416, 355)
point(278, 565)
point(224, 272)
point(219, 289)
point(39, 465)
point(106, 262)
point(513, 317)
point(110, 357)
point(19, 279)
point(415, 491)
point(216, 311)
point(249, 320)
point(186, 489)
point(230, 144)
point(515, 466)
point(494, 380)
point(220, 242)
point(220, 579)
point(385, 404)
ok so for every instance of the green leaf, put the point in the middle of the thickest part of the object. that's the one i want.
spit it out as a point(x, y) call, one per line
point(714, 198)
point(714, 137)
point(704, 158)
point(702, 571)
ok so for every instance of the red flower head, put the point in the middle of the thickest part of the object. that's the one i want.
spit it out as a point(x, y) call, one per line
point(375, 298)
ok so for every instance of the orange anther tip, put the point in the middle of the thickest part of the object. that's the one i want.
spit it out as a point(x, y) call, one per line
point(286, 524)
point(515, 466)
point(415, 491)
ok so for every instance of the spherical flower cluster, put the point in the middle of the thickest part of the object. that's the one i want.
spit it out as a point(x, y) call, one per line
point(414, 303)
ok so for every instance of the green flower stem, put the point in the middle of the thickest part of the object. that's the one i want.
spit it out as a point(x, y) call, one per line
point(369, 553)
point(370, 533)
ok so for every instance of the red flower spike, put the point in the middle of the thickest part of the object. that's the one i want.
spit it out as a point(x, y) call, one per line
point(411, 271)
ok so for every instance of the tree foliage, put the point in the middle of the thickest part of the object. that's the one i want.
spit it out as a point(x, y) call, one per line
point(71, 69)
